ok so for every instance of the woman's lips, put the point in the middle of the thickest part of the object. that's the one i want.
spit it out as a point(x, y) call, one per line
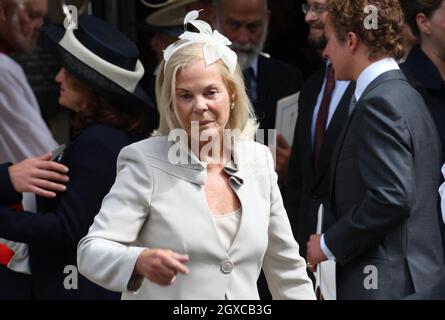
point(205, 122)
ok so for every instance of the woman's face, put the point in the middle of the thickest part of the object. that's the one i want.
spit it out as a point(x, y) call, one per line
point(202, 96)
point(70, 97)
point(437, 30)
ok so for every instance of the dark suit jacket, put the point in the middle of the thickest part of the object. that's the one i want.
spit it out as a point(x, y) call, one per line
point(384, 186)
point(308, 187)
point(275, 80)
point(13, 285)
point(8, 195)
point(435, 292)
point(54, 231)
point(424, 76)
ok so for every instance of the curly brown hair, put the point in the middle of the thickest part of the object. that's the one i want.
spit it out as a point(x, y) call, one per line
point(100, 110)
point(350, 16)
point(412, 8)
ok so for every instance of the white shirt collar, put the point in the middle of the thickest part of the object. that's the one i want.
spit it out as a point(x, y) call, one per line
point(372, 72)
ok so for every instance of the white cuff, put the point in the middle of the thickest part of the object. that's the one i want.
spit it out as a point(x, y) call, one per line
point(20, 260)
point(326, 250)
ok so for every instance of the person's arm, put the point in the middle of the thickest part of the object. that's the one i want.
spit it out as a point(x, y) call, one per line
point(92, 171)
point(108, 246)
point(106, 255)
point(40, 176)
point(37, 175)
point(386, 166)
point(30, 175)
point(284, 268)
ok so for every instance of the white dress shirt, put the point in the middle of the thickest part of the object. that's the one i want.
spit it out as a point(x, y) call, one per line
point(337, 95)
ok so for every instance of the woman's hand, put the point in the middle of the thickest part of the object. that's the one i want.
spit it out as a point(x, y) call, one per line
point(161, 266)
point(39, 175)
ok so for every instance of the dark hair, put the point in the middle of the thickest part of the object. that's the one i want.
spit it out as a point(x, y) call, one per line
point(413, 7)
point(100, 110)
point(349, 16)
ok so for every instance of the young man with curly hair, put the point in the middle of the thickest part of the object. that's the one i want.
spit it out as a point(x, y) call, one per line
point(384, 179)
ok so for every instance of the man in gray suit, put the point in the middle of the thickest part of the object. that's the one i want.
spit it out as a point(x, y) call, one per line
point(385, 169)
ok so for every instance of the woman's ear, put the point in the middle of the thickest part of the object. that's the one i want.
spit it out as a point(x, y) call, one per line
point(423, 24)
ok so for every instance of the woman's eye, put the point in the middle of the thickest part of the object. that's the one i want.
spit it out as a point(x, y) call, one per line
point(185, 96)
point(211, 93)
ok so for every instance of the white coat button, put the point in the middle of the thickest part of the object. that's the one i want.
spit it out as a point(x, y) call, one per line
point(227, 266)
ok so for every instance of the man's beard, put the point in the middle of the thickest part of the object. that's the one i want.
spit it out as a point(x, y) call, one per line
point(318, 43)
point(316, 37)
point(248, 52)
point(26, 45)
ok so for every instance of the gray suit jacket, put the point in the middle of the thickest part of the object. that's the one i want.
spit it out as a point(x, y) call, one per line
point(157, 204)
point(384, 183)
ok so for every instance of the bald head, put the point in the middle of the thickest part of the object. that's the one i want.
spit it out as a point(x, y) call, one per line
point(243, 10)
point(245, 23)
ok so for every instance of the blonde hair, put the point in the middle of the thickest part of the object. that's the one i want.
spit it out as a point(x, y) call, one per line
point(242, 117)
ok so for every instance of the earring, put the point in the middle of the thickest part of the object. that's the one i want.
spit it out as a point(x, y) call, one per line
point(232, 105)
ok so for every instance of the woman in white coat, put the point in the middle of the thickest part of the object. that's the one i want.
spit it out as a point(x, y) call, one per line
point(195, 211)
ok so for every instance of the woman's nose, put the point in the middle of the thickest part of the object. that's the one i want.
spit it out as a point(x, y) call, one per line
point(200, 105)
point(59, 76)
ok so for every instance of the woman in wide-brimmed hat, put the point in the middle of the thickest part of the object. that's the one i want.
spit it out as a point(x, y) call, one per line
point(99, 82)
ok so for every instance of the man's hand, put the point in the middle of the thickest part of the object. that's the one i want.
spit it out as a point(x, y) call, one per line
point(39, 175)
point(283, 155)
point(314, 253)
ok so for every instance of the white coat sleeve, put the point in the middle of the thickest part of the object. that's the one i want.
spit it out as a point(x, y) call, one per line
point(284, 268)
point(107, 254)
